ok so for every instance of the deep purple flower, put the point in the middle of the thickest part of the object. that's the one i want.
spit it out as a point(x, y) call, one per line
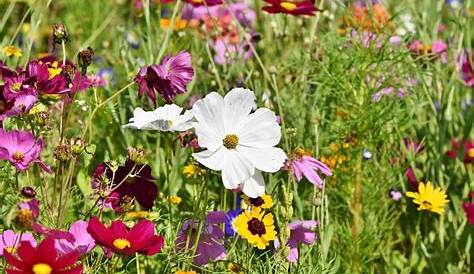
point(301, 232)
point(80, 239)
point(21, 149)
point(210, 245)
point(169, 78)
point(466, 68)
point(9, 241)
point(303, 164)
point(130, 181)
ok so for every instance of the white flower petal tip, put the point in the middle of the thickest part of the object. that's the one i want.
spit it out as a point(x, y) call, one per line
point(165, 118)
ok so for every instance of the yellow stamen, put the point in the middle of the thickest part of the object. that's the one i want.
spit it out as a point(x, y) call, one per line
point(470, 153)
point(10, 249)
point(121, 243)
point(42, 269)
point(18, 156)
point(288, 6)
point(16, 86)
point(231, 141)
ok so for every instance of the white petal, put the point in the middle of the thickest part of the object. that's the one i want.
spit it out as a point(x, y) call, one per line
point(172, 111)
point(269, 159)
point(236, 169)
point(209, 112)
point(207, 137)
point(141, 120)
point(238, 104)
point(211, 159)
point(254, 186)
point(183, 122)
point(260, 129)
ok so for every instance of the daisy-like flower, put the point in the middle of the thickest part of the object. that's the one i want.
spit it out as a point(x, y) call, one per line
point(238, 143)
point(256, 227)
point(120, 239)
point(211, 241)
point(301, 232)
point(305, 7)
point(81, 240)
point(11, 51)
point(165, 118)
point(43, 259)
point(169, 78)
point(428, 198)
point(301, 163)
point(264, 201)
point(9, 241)
point(21, 149)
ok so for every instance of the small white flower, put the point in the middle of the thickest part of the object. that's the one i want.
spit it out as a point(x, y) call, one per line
point(237, 142)
point(165, 118)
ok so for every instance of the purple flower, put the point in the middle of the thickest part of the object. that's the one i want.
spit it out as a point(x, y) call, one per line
point(303, 164)
point(21, 149)
point(227, 52)
point(169, 78)
point(81, 240)
point(210, 245)
point(301, 232)
point(466, 69)
point(21, 105)
point(15, 86)
point(9, 240)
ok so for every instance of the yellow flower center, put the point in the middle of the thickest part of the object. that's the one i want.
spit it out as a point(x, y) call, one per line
point(54, 70)
point(288, 6)
point(16, 87)
point(231, 141)
point(470, 153)
point(10, 249)
point(42, 269)
point(198, 1)
point(121, 243)
point(426, 205)
point(18, 156)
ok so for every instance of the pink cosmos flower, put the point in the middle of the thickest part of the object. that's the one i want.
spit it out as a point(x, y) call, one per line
point(466, 68)
point(301, 232)
point(81, 240)
point(302, 164)
point(169, 78)
point(21, 105)
point(21, 149)
point(227, 52)
point(9, 240)
point(210, 245)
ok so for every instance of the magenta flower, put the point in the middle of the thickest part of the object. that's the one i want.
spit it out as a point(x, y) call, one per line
point(466, 69)
point(9, 240)
point(210, 245)
point(20, 105)
point(15, 86)
point(301, 232)
point(120, 239)
point(169, 78)
point(469, 208)
point(302, 164)
point(204, 2)
point(80, 239)
point(21, 149)
point(130, 181)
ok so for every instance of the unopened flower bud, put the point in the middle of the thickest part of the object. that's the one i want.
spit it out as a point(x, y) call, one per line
point(60, 33)
point(84, 59)
point(28, 192)
point(62, 153)
point(77, 146)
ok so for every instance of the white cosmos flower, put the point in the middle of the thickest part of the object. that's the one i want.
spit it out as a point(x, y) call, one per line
point(165, 118)
point(237, 142)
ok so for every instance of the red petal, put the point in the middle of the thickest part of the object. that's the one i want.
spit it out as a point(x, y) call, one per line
point(11, 260)
point(154, 246)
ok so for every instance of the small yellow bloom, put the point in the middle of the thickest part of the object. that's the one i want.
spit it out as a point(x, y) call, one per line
point(264, 201)
point(192, 170)
point(179, 24)
point(137, 214)
point(175, 199)
point(256, 227)
point(429, 198)
point(185, 272)
point(12, 51)
point(235, 268)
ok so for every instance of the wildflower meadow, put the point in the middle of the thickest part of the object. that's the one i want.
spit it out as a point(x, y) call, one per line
point(236, 136)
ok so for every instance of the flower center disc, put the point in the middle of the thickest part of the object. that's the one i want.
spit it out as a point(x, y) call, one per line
point(288, 6)
point(121, 243)
point(256, 227)
point(427, 205)
point(231, 141)
point(16, 86)
point(10, 249)
point(18, 156)
point(42, 269)
point(257, 201)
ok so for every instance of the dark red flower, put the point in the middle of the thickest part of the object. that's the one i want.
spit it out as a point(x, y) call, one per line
point(466, 147)
point(305, 7)
point(469, 208)
point(43, 259)
point(130, 181)
point(198, 3)
point(120, 239)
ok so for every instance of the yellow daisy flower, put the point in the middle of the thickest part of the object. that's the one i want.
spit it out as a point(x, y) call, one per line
point(193, 170)
point(429, 198)
point(185, 272)
point(12, 51)
point(175, 199)
point(256, 227)
point(264, 201)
